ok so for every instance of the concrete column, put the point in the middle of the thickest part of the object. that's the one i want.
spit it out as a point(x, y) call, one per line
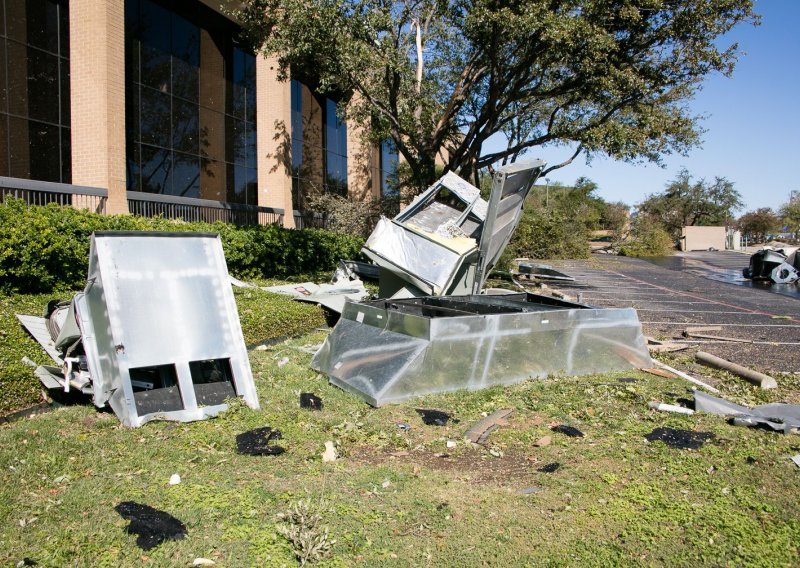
point(97, 92)
point(274, 138)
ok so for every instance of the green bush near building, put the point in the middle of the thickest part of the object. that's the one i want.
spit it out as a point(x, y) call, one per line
point(43, 249)
point(647, 238)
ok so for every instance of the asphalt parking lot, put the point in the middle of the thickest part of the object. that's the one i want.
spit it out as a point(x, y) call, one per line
point(689, 294)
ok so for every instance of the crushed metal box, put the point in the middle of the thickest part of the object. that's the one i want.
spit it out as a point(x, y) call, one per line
point(391, 350)
point(159, 334)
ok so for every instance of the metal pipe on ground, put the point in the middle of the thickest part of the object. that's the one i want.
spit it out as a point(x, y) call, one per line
point(760, 379)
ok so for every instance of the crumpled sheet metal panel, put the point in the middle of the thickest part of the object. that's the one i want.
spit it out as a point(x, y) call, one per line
point(473, 352)
point(778, 416)
point(424, 258)
point(157, 299)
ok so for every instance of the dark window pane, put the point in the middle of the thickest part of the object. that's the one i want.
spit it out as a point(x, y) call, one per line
point(250, 145)
point(66, 156)
point(185, 80)
point(3, 75)
point(185, 41)
point(133, 171)
point(154, 26)
point(19, 148)
point(156, 170)
point(252, 186)
point(65, 92)
point(185, 128)
point(44, 151)
point(63, 28)
point(235, 132)
point(43, 86)
point(186, 175)
point(238, 190)
point(155, 68)
point(132, 130)
point(155, 117)
point(4, 169)
point(34, 22)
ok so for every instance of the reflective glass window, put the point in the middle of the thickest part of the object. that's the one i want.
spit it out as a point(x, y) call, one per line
point(34, 90)
point(183, 70)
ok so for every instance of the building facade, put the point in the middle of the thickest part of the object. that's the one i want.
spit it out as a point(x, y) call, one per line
point(161, 97)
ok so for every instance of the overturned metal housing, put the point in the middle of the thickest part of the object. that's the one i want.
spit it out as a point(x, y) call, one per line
point(448, 239)
point(391, 350)
point(159, 331)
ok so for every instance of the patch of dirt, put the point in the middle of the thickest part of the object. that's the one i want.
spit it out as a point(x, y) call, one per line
point(475, 466)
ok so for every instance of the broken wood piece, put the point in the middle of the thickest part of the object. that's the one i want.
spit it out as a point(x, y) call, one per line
point(760, 379)
point(479, 433)
point(662, 407)
point(683, 375)
point(660, 373)
point(700, 332)
point(658, 346)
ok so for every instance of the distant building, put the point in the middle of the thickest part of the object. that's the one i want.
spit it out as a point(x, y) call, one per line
point(152, 97)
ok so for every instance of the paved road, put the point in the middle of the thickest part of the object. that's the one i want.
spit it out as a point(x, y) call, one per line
point(669, 300)
point(723, 266)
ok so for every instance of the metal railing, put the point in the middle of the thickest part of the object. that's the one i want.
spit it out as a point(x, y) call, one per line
point(35, 192)
point(309, 220)
point(205, 210)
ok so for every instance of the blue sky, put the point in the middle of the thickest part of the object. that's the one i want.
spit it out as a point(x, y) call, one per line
point(753, 123)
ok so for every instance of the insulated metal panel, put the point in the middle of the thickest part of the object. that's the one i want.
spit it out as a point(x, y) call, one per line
point(156, 304)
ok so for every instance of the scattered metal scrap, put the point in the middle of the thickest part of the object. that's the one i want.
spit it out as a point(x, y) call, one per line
point(760, 379)
point(542, 272)
point(777, 416)
point(781, 265)
point(155, 334)
point(479, 433)
point(448, 239)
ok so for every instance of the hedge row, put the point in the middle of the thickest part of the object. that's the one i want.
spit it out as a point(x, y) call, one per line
point(47, 248)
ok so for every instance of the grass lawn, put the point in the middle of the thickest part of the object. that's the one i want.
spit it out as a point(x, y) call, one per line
point(400, 496)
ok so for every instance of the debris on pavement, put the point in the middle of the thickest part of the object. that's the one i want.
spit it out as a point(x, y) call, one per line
point(781, 265)
point(760, 379)
point(549, 468)
point(152, 526)
point(658, 346)
point(310, 401)
point(329, 454)
point(567, 430)
point(777, 416)
point(257, 442)
point(432, 417)
point(662, 407)
point(541, 272)
point(682, 375)
point(153, 339)
point(701, 333)
point(680, 439)
point(479, 433)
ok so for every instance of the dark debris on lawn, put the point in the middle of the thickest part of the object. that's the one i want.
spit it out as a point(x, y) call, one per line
point(152, 526)
point(681, 439)
point(257, 442)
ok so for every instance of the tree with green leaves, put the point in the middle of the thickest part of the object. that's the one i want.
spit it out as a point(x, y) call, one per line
point(596, 77)
point(790, 213)
point(758, 224)
point(685, 202)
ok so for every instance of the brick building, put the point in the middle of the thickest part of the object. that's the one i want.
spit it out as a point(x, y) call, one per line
point(156, 97)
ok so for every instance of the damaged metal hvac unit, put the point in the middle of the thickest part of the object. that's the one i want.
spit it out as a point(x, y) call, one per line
point(448, 239)
point(451, 338)
point(155, 334)
point(391, 350)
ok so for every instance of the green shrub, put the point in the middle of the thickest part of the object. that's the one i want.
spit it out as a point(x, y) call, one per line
point(648, 238)
point(544, 234)
point(46, 248)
